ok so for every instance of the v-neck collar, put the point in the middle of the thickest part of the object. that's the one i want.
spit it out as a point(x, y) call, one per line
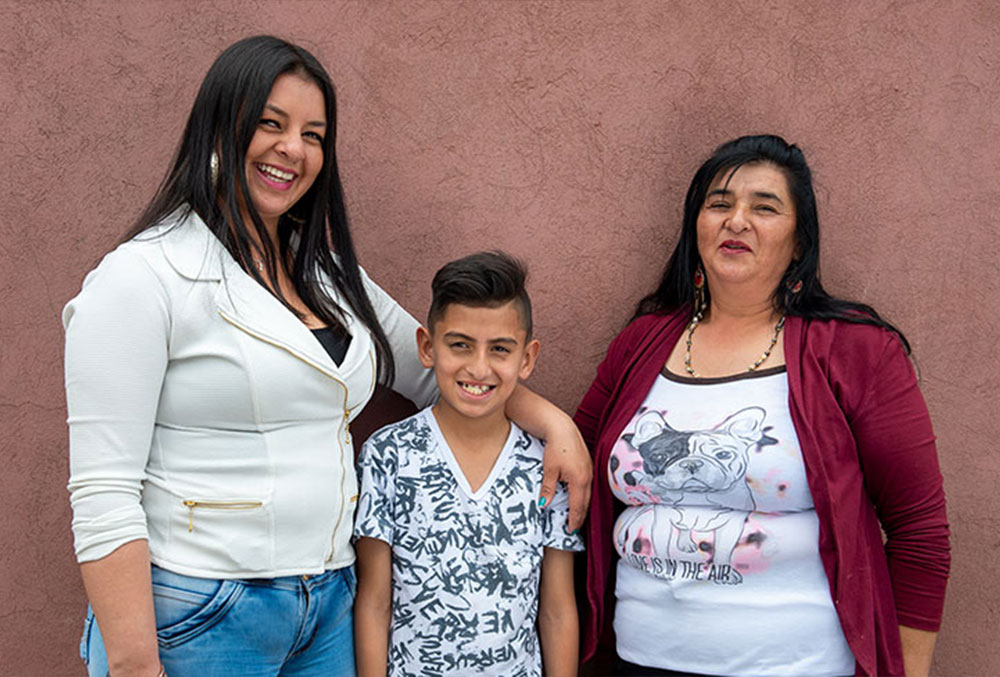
point(456, 469)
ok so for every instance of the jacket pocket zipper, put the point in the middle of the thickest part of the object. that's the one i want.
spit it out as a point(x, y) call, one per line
point(218, 505)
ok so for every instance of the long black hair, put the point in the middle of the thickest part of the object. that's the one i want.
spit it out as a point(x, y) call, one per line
point(676, 288)
point(222, 122)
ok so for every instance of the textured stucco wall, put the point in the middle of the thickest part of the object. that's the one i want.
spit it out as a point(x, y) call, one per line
point(564, 132)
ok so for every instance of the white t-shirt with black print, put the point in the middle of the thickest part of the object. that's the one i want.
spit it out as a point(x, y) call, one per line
point(465, 565)
point(720, 571)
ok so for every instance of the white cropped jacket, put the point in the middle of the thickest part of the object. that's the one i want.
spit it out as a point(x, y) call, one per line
point(206, 418)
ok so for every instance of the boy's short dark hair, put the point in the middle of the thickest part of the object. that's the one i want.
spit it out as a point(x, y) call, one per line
point(484, 279)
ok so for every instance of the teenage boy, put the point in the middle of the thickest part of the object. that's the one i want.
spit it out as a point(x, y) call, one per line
point(451, 541)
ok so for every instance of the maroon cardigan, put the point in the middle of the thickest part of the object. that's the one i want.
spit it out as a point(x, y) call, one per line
point(870, 460)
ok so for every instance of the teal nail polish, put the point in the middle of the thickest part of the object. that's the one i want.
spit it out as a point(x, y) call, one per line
point(542, 501)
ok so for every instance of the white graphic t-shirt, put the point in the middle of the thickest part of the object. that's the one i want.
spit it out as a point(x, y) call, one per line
point(465, 565)
point(720, 571)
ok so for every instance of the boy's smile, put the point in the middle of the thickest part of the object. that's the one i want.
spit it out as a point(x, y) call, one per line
point(478, 355)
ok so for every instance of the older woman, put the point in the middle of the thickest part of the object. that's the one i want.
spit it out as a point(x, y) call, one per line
point(214, 362)
point(752, 433)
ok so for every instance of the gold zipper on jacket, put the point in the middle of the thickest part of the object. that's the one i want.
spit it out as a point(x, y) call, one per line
point(348, 448)
point(347, 411)
point(218, 505)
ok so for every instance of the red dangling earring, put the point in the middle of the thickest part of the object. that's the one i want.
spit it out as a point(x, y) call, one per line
point(796, 288)
point(699, 293)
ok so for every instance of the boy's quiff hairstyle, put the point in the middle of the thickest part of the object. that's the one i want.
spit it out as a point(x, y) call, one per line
point(484, 279)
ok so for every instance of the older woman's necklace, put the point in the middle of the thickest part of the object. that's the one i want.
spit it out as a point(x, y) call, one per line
point(753, 367)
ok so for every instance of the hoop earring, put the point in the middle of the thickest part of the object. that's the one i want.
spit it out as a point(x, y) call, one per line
point(699, 293)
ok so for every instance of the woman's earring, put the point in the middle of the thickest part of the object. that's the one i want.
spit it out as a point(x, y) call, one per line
point(792, 290)
point(699, 292)
point(213, 167)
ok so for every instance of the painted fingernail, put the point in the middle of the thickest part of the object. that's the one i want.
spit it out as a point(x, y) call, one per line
point(576, 532)
point(542, 501)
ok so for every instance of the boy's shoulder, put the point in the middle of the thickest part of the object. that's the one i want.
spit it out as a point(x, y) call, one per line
point(412, 432)
point(525, 444)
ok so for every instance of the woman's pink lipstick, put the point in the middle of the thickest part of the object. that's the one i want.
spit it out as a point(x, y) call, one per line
point(735, 247)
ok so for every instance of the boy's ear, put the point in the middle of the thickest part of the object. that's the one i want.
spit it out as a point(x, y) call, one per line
point(425, 344)
point(528, 361)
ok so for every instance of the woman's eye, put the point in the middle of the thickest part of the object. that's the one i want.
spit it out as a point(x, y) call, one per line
point(268, 122)
point(767, 208)
point(718, 205)
point(314, 136)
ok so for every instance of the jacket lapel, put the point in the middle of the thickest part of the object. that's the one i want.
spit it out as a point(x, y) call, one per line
point(194, 251)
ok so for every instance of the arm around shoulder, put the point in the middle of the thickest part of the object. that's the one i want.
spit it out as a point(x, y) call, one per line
point(413, 381)
point(566, 458)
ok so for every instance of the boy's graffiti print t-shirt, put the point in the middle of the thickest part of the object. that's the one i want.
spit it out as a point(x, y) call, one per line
point(719, 570)
point(465, 565)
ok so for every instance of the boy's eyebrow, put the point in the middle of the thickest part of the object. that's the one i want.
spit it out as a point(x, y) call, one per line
point(465, 337)
point(275, 109)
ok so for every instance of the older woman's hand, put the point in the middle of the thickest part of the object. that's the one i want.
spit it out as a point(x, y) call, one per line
point(566, 457)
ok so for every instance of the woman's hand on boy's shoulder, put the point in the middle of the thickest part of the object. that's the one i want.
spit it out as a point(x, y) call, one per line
point(567, 460)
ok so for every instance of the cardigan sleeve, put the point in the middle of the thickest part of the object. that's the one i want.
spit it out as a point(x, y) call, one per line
point(116, 356)
point(413, 381)
point(899, 462)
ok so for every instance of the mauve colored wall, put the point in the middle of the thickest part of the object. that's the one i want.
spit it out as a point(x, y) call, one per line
point(563, 132)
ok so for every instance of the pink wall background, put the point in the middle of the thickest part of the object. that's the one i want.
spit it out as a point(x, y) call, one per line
point(563, 132)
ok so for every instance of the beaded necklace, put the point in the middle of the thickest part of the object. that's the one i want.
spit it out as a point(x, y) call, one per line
point(753, 367)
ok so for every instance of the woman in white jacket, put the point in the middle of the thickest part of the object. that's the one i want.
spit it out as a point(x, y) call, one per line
point(214, 361)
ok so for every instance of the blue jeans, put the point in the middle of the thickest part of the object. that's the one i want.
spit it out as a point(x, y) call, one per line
point(293, 625)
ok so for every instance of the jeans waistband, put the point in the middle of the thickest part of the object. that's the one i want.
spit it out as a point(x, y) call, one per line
point(292, 583)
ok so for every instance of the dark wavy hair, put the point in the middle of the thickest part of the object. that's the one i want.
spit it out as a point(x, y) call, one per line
point(676, 287)
point(223, 120)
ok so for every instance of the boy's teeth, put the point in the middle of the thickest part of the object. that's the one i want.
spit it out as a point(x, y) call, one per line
point(474, 389)
point(276, 173)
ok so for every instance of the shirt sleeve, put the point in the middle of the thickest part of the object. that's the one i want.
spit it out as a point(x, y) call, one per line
point(377, 466)
point(413, 381)
point(116, 356)
point(898, 455)
point(555, 524)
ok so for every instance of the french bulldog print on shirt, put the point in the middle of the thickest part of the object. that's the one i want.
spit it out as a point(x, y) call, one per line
point(719, 531)
point(700, 476)
point(705, 479)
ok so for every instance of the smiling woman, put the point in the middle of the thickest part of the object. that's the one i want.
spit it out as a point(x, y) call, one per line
point(286, 152)
point(748, 423)
point(746, 229)
point(214, 363)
